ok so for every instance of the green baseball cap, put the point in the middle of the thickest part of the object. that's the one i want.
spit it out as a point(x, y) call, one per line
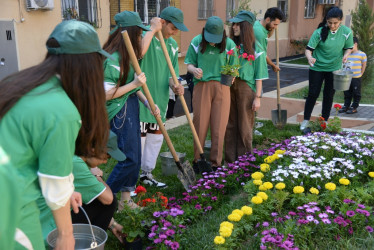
point(242, 16)
point(213, 31)
point(129, 18)
point(175, 16)
point(76, 37)
point(113, 149)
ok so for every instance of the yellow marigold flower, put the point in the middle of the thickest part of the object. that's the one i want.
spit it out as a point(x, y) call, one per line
point(263, 195)
point(238, 211)
point(275, 157)
point(219, 240)
point(262, 188)
point(225, 232)
point(298, 189)
point(280, 151)
point(314, 190)
point(257, 175)
point(234, 217)
point(227, 224)
point(264, 167)
point(257, 200)
point(257, 182)
point(344, 181)
point(247, 210)
point(268, 185)
point(269, 159)
point(371, 174)
point(280, 186)
point(330, 186)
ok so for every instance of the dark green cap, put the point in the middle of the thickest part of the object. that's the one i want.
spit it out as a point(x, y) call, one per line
point(129, 18)
point(213, 31)
point(242, 16)
point(76, 37)
point(113, 149)
point(175, 16)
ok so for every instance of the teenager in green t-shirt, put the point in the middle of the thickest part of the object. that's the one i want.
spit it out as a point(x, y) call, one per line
point(264, 29)
point(246, 90)
point(328, 47)
point(122, 91)
point(159, 80)
point(47, 113)
point(211, 99)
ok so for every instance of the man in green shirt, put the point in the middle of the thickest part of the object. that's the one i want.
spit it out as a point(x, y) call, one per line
point(158, 80)
point(264, 29)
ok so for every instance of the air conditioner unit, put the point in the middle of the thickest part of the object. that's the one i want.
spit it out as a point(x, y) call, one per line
point(39, 5)
point(326, 1)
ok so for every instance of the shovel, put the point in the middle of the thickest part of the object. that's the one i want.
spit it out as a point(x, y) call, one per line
point(202, 164)
point(185, 172)
point(278, 116)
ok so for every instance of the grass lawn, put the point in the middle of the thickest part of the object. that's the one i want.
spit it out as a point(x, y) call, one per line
point(200, 234)
point(367, 93)
point(301, 61)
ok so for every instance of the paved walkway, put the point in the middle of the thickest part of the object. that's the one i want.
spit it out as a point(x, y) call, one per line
point(362, 121)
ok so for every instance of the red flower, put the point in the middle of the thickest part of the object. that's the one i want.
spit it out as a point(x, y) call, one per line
point(323, 126)
point(245, 55)
point(145, 202)
point(164, 201)
point(251, 57)
point(337, 106)
point(140, 190)
point(230, 52)
point(321, 118)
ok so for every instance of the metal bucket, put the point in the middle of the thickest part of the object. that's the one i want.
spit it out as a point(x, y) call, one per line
point(86, 236)
point(168, 166)
point(342, 79)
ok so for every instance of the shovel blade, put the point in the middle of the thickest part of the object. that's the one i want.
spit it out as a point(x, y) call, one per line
point(279, 120)
point(186, 174)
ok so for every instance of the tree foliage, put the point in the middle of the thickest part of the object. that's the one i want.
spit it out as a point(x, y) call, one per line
point(363, 29)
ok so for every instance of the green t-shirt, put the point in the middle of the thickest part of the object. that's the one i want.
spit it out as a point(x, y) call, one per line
point(261, 35)
point(157, 72)
point(211, 61)
point(38, 134)
point(10, 202)
point(253, 70)
point(329, 54)
point(111, 78)
point(84, 182)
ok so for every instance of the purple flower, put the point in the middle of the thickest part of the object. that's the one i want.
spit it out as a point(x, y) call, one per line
point(350, 230)
point(273, 230)
point(167, 242)
point(323, 215)
point(316, 222)
point(181, 226)
point(287, 217)
point(198, 206)
point(167, 224)
point(154, 228)
point(265, 224)
point(162, 236)
point(326, 221)
point(350, 213)
point(170, 232)
point(274, 214)
point(309, 210)
point(287, 244)
point(291, 213)
point(300, 208)
point(369, 229)
point(262, 247)
point(208, 208)
point(214, 198)
point(265, 232)
point(310, 218)
point(348, 201)
point(361, 206)
point(156, 214)
point(313, 203)
point(157, 241)
point(174, 245)
point(151, 235)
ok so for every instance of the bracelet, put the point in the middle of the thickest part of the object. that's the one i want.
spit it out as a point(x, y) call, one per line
point(146, 104)
point(258, 96)
point(113, 225)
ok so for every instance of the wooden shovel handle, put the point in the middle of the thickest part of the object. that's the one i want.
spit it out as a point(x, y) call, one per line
point(183, 101)
point(135, 64)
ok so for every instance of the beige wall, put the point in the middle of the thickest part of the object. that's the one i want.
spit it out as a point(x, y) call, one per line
point(32, 33)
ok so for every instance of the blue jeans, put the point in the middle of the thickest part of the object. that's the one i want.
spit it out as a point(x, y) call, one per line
point(125, 174)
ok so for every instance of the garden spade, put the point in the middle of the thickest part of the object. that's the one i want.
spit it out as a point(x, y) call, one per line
point(278, 116)
point(185, 172)
point(203, 165)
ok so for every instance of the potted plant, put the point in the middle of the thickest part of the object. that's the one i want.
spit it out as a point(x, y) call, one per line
point(230, 71)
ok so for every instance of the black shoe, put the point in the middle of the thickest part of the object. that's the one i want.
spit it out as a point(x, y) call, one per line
point(195, 167)
point(351, 111)
point(343, 110)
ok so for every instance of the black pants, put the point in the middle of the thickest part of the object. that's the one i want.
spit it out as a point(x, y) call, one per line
point(353, 92)
point(99, 214)
point(316, 79)
point(171, 105)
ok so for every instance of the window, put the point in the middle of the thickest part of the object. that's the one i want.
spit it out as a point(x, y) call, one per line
point(283, 6)
point(205, 9)
point(310, 8)
point(83, 10)
point(149, 9)
point(230, 8)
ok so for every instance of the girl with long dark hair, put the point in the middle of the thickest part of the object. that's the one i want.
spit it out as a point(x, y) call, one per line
point(246, 90)
point(123, 95)
point(48, 113)
point(329, 46)
point(211, 100)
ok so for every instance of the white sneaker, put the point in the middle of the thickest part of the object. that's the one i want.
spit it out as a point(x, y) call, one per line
point(257, 132)
point(147, 178)
point(304, 124)
point(259, 125)
point(133, 194)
